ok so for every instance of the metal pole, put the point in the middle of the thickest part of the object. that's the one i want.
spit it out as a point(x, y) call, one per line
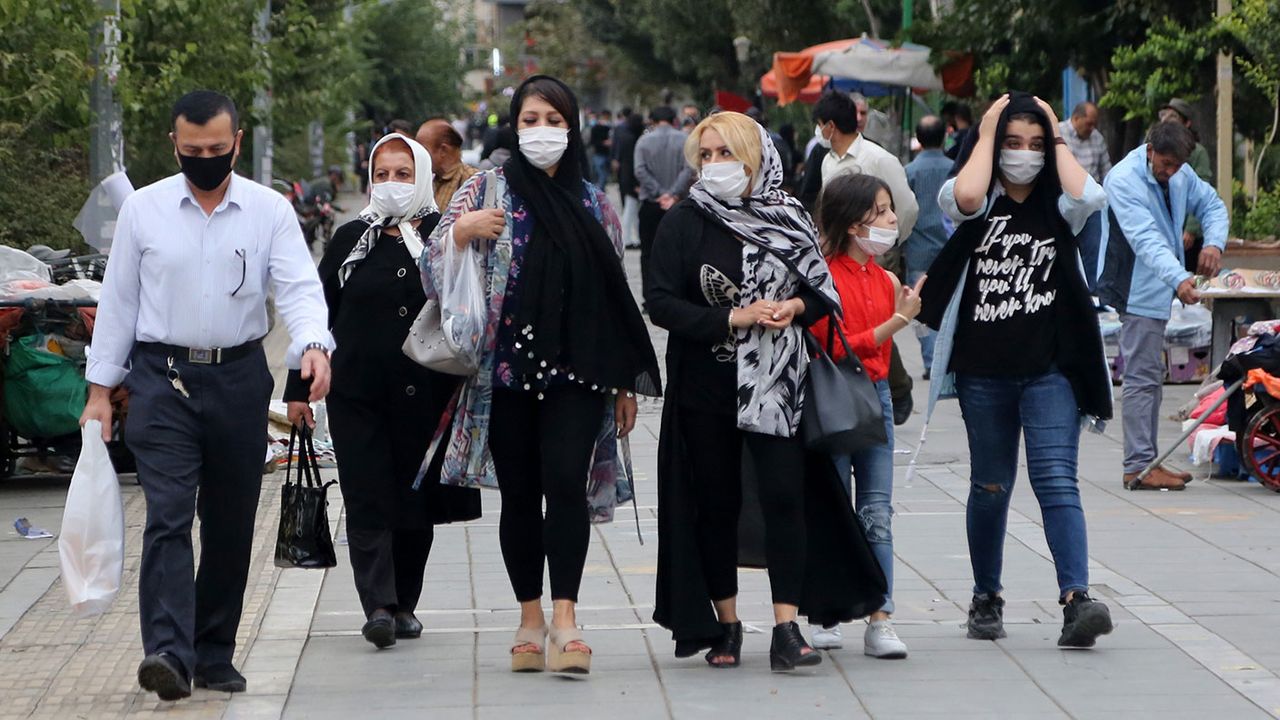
point(262, 149)
point(1226, 150)
point(106, 144)
point(1178, 443)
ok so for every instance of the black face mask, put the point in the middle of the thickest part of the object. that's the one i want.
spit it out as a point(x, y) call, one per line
point(206, 173)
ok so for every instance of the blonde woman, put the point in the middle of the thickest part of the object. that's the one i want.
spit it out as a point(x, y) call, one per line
point(736, 273)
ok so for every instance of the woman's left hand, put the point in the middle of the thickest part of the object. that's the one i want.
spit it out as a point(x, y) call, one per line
point(1053, 117)
point(624, 413)
point(783, 313)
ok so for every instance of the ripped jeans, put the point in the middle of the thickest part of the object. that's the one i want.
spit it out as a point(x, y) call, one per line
point(1042, 408)
point(872, 469)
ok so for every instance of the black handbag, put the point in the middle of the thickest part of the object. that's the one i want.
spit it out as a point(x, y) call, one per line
point(303, 540)
point(842, 412)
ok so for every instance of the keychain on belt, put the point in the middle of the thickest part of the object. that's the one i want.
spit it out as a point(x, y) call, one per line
point(175, 379)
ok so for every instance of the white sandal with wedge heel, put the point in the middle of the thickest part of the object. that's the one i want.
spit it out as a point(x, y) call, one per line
point(529, 661)
point(560, 660)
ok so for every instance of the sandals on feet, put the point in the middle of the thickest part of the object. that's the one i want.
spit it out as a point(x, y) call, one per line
point(560, 660)
point(529, 660)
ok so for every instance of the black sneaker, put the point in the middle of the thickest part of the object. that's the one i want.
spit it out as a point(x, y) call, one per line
point(986, 617)
point(1083, 620)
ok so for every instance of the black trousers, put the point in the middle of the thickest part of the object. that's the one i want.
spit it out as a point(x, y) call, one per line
point(389, 566)
point(200, 455)
point(715, 448)
point(651, 214)
point(542, 448)
point(380, 440)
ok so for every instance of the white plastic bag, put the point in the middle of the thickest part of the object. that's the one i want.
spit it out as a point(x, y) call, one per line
point(91, 545)
point(462, 303)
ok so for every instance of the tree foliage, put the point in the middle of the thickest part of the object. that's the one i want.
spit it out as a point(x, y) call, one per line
point(1170, 62)
point(412, 60)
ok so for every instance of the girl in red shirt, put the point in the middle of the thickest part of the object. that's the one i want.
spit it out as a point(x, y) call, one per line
point(856, 218)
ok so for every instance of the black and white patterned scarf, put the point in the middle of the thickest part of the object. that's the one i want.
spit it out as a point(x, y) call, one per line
point(424, 203)
point(780, 252)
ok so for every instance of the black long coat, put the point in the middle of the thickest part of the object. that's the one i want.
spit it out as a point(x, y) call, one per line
point(383, 407)
point(843, 581)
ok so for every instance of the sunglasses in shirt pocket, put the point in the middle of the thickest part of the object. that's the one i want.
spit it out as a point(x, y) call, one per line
point(243, 273)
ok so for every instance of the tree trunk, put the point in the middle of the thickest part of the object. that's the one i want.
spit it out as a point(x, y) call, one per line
point(872, 20)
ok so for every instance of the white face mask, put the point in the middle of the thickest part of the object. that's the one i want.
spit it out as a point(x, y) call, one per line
point(391, 199)
point(823, 141)
point(1021, 167)
point(878, 242)
point(725, 180)
point(543, 146)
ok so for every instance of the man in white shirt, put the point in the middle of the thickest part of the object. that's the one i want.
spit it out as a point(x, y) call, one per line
point(837, 119)
point(180, 323)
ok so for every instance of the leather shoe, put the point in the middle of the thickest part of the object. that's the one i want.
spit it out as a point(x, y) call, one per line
point(408, 625)
point(163, 675)
point(1157, 479)
point(221, 678)
point(902, 407)
point(380, 630)
point(1185, 477)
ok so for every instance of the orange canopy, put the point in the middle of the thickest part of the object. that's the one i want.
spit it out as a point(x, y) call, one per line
point(808, 94)
point(792, 73)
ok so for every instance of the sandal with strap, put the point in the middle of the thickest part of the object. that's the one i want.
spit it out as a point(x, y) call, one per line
point(560, 660)
point(529, 661)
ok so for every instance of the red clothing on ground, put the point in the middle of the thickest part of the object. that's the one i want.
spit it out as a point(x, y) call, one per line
point(867, 299)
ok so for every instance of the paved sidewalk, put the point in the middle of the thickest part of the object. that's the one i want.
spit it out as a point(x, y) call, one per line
point(1191, 579)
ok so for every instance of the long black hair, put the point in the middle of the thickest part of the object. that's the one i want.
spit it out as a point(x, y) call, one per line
point(569, 173)
point(1022, 106)
point(847, 200)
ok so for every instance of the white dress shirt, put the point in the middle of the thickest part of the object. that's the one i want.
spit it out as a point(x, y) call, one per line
point(181, 277)
point(864, 156)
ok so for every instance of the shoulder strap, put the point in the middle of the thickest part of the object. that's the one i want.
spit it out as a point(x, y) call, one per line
point(490, 199)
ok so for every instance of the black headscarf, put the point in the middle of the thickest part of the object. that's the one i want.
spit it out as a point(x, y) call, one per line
point(576, 308)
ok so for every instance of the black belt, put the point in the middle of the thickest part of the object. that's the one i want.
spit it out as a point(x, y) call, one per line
point(204, 356)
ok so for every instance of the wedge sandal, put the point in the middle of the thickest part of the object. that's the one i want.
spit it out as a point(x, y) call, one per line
point(572, 662)
point(529, 661)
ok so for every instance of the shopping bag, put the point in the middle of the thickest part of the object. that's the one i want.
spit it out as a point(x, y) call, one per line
point(462, 304)
point(303, 540)
point(91, 544)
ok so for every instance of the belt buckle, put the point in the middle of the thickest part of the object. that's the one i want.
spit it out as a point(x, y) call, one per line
point(204, 356)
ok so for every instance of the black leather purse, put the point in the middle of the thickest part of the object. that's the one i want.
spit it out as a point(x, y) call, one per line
point(303, 540)
point(842, 412)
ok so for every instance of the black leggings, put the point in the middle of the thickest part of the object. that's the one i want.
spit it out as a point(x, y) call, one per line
point(715, 457)
point(543, 448)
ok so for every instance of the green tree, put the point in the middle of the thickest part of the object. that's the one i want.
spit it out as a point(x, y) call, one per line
point(1254, 26)
point(1170, 62)
point(44, 117)
point(412, 60)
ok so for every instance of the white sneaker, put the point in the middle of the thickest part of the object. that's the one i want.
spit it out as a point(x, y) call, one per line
point(880, 641)
point(827, 638)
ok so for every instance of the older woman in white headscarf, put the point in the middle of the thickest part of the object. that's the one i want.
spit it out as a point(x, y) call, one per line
point(383, 407)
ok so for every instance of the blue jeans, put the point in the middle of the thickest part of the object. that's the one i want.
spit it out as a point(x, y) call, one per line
point(873, 469)
point(1043, 408)
point(600, 164)
point(924, 334)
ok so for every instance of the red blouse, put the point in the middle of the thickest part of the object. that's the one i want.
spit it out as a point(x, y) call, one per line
point(867, 299)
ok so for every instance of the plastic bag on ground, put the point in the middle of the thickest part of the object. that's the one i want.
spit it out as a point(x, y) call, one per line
point(91, 544)
point(462, 304)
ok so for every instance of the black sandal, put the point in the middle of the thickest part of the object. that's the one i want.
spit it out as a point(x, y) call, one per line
point(730, 644)
point(787, 652)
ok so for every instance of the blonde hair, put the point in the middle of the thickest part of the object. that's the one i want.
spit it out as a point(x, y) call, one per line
point(741, 135)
